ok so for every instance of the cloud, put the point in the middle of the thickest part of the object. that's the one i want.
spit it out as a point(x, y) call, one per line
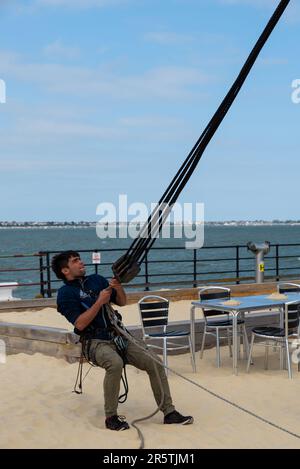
point(160, 82)
point(168, 38)
point(57, 49)
point(270, 61)
point(255, 3)
point(151, 121)
point(78, 4)
point(292, 13)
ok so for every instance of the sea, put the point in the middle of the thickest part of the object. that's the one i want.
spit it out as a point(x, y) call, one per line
point(169, 263)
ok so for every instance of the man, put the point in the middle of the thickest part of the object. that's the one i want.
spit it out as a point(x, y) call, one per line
point(82, 301)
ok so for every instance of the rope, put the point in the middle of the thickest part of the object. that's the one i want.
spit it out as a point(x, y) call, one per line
point(140, 246)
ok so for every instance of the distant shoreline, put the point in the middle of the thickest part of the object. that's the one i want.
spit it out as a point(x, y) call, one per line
point(83, 224)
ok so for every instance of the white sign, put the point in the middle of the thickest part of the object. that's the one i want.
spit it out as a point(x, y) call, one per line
point(96, 258)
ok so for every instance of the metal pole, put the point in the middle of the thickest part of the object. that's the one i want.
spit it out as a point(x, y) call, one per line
point(49, 293)
point(260, 267)
point(277, 262)
point(237, 264)
point(146, 271)
point(42, 289)
point(260, 250)
point(195, 268)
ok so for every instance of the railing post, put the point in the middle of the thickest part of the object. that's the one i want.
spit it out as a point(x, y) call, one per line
point(146, 271)
point(195, 268)
point(42, 289)
point(49, 293)
point(277, 262)
point(237, 265)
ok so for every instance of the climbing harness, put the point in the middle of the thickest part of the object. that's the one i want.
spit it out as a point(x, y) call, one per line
point(91, 332)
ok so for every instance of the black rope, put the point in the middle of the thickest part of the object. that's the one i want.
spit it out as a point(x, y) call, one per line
point(140, 246)
point(79, 381)
point(123, 397)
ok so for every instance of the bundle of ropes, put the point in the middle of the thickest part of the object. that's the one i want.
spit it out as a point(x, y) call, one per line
point(128, 266)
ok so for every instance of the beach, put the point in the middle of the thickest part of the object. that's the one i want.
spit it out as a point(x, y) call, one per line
point(39, 410)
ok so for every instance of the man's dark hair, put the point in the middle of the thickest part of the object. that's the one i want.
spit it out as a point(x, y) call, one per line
point(60, 261)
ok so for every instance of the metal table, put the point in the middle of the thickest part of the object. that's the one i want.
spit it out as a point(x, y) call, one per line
point(247, 304)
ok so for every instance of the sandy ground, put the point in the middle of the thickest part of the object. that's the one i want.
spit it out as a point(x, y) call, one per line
point(39, 410)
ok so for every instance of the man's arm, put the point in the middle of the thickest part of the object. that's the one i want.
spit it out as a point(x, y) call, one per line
point(86, 318)
point(121, 298)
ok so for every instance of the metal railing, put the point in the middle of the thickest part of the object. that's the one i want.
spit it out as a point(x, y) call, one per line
point(163, 267)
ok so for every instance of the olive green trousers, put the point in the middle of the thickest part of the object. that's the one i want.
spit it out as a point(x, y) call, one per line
point(105, 355)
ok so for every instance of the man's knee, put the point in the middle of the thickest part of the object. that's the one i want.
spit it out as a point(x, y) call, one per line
point(109, 360)
point(114, 364)
point(151, 364)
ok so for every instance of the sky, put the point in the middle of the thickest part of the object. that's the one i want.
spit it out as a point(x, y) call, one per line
point(107, 97)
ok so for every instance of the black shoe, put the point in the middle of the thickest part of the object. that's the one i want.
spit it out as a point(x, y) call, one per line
point(116, 422)
point(176, 417)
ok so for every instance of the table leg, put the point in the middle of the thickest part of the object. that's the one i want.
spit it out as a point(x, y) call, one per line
point(193, 334)
point(281, 351)
point(234, 342)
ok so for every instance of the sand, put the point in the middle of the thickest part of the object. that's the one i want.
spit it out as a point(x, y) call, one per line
point(39, 410)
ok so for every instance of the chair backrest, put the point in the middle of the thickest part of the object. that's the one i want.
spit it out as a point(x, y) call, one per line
point(154, 311)
point(213, 293)
point(288, 288)
point(291, 318)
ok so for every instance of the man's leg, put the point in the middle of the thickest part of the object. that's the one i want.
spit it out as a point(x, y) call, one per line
point(106, 356)
point(139, 359)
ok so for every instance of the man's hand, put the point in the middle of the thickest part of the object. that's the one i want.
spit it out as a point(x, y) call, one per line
point(104, 295)
point(114, 283)
point(121, 295)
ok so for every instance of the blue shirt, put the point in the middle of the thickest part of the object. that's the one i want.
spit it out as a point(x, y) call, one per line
point(76, 296)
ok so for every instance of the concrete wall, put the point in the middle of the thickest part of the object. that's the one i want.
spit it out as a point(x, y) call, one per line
point(60, 343)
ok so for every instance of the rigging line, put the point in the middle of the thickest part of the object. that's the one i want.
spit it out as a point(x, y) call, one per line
point(183, 175)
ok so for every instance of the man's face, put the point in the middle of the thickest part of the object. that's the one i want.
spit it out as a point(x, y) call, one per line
point(75, 269)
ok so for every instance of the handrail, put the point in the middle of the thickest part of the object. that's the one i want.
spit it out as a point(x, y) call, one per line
point(160, 266)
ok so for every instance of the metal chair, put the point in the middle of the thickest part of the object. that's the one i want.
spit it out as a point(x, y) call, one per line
point(280, 335)
point(154, 312)
point(213, 325)
point(285, 287)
